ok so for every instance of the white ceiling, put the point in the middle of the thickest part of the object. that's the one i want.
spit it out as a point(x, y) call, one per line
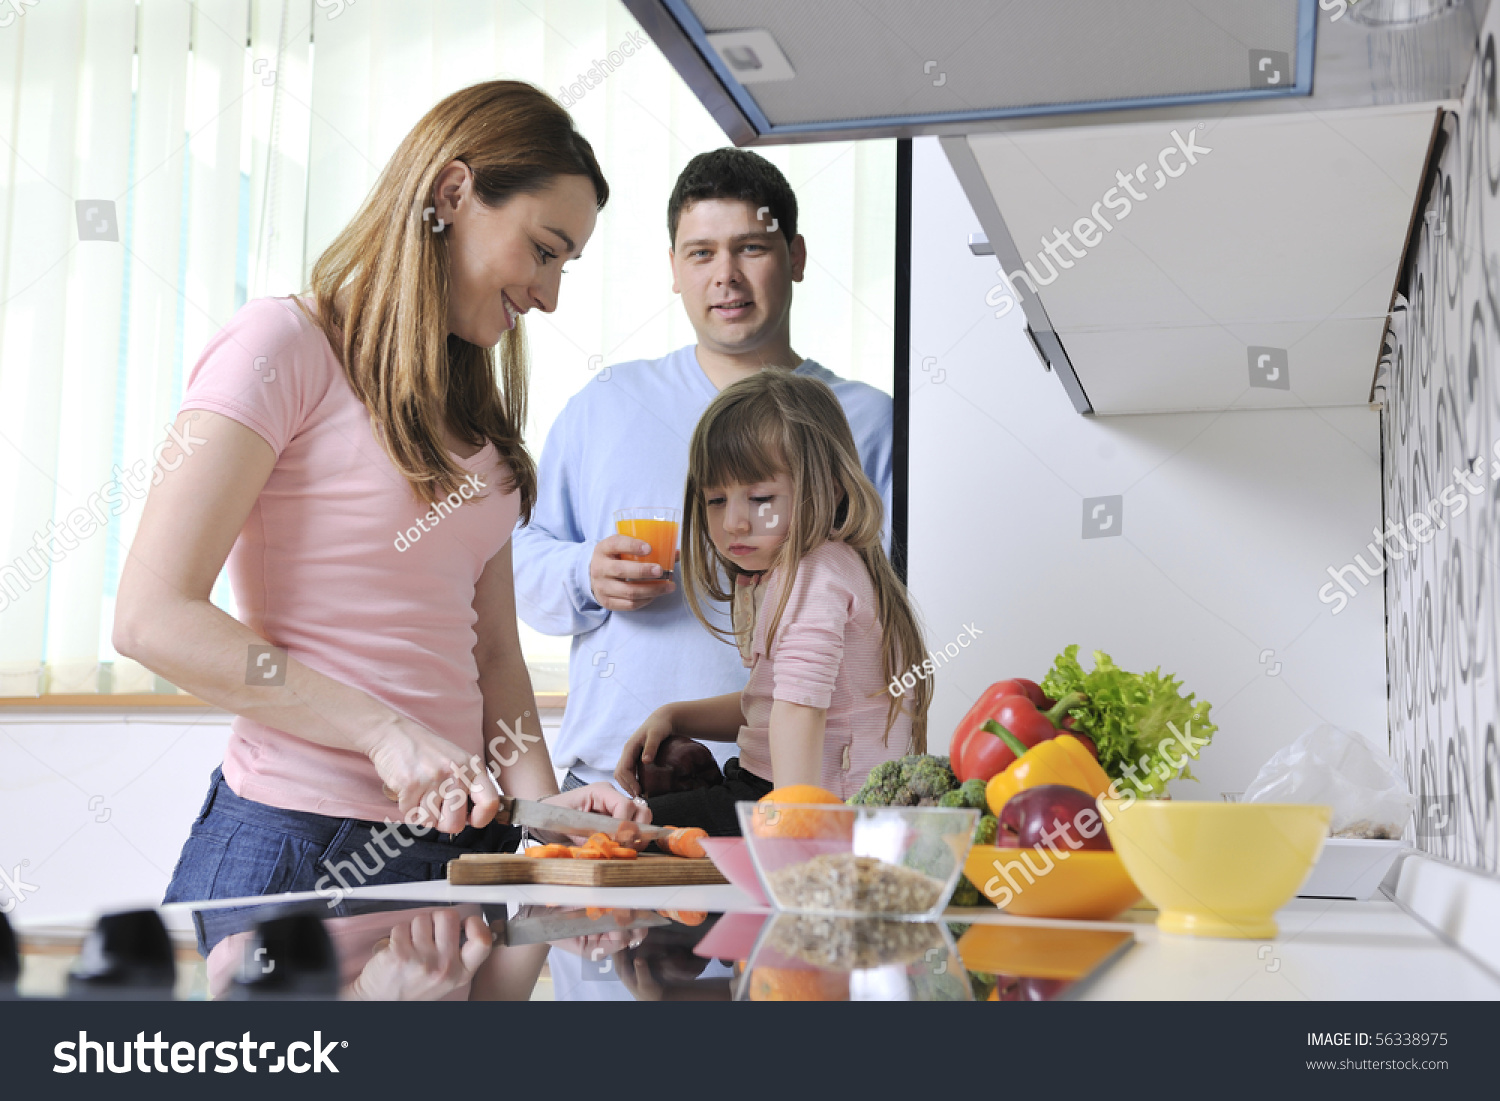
point(1287, 234)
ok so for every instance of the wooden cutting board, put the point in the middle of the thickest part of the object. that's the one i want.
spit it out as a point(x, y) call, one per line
point(646, 870)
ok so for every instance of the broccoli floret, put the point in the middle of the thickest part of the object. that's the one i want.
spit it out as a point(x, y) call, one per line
point(953, 798)
point(973, 795)
point(984, 832)
point(982, 982)
point(929, 778)
point(880, 785)
point(919, 780)
point(930, 853)
point(964, 893)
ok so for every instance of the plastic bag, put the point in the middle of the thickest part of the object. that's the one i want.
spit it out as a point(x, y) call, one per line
point(1337, 768)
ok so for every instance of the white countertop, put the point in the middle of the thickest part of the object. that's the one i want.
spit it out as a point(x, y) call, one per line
point(1326, 949)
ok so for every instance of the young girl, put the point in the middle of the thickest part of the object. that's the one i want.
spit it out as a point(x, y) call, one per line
point(780, 521)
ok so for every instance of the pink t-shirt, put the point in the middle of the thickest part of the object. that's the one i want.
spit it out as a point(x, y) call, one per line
point(827, 654)
point(319, 570)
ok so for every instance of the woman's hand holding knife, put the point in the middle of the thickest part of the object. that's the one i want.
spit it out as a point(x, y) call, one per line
point(436, 785)
point(434, 782)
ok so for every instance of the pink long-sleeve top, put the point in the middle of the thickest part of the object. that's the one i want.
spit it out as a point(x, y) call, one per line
point(826, 654)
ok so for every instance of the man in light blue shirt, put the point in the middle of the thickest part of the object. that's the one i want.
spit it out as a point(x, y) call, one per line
point(622, 442)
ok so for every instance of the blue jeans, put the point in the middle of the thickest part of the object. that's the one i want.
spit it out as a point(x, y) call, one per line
point(239, 848)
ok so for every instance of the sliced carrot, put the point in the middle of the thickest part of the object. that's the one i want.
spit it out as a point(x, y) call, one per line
point(686, 842)
point(685, 917)
point(607, 848)
point(598, 847)
point(594, 913)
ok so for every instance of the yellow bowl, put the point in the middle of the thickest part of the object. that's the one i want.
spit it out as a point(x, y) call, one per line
point(1037, 951)
point(1087, 884)
point(1216, 869)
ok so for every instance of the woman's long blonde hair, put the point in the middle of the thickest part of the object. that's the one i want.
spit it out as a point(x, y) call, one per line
point(381, 286)
point(776, 422)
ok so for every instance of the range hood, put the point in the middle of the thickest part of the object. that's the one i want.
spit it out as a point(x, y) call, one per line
point(1215, 197)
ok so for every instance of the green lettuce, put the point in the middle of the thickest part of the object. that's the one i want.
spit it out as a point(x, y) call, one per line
point(1141, 722)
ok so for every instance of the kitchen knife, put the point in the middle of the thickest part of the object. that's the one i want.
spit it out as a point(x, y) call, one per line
point(556, 925)
point(555, 819)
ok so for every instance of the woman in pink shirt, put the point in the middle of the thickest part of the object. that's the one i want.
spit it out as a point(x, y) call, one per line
point(780, 521)
point(357, 460)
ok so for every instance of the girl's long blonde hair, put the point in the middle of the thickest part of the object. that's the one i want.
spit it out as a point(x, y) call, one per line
point(381, 286)
point(776, 422)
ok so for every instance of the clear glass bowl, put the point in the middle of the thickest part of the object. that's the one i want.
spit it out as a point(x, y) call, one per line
point(855, 861)
point(822, 958)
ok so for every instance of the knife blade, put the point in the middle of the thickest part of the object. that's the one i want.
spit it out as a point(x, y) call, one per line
point(575, 923)
point(555, 819)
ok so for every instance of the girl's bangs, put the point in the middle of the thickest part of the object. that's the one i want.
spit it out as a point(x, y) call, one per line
point(744, 446)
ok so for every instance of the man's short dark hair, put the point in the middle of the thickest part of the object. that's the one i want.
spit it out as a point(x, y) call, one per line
point(734, 174)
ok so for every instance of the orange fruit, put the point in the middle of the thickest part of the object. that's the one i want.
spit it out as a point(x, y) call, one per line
point(785, 984)
point(804, 823)
point(800, 793)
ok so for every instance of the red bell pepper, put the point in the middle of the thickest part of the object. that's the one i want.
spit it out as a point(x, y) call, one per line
point(985, 752)
point(1021, 716)
point(984, 710)
point(1032, 691)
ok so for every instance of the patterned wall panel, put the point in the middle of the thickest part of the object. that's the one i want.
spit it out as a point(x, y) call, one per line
point(1441, 442)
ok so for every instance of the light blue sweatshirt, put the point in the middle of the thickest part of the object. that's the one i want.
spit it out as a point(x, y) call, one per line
point(622, 442)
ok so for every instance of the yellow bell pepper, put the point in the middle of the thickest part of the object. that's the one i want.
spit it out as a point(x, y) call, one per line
point(1059, 760)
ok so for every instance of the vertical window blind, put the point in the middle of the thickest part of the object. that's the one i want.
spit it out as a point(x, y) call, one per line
point(163, 161)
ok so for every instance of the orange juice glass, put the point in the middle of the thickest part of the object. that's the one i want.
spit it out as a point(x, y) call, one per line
point(657, 526)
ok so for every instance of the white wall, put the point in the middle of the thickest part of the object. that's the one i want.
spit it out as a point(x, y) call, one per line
point(1230, 522)
point(144, 774)
point(149, 771)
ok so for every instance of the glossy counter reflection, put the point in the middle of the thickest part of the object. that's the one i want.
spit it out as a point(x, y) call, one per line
point(392, 951)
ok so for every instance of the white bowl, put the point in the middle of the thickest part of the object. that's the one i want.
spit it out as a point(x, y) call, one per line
point(1350, 867)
